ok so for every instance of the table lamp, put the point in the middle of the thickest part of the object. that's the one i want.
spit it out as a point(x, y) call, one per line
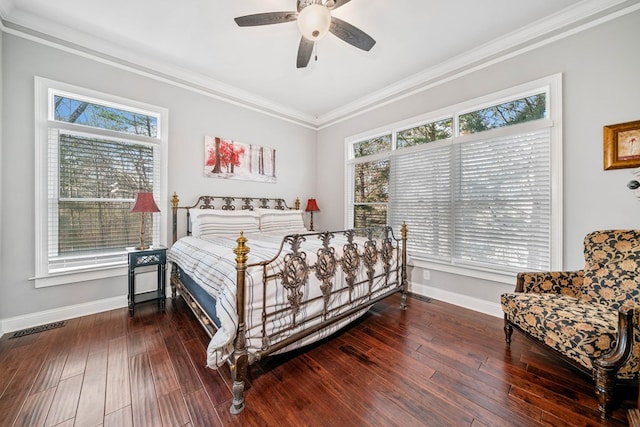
point(144, 203)
point(312, 207)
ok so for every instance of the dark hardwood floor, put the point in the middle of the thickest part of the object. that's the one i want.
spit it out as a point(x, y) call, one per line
point(434, 364)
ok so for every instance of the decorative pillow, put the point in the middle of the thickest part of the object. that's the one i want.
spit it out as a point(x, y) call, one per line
point(287, 221)
point(213, 223)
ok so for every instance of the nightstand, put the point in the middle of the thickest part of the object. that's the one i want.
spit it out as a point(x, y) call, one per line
point(141, 258)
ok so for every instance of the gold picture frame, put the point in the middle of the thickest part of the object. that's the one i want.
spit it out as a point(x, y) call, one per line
point(622, 145)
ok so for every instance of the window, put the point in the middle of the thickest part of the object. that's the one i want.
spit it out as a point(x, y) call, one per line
point(423, 134)
point(370, 179)
point(94, 153)
point(478, 184)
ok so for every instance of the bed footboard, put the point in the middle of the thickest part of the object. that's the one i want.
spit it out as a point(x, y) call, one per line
point(293, 277)
point(320, 289)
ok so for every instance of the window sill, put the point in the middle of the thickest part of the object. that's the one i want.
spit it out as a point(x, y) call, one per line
point(79, 276)
point(500, 277)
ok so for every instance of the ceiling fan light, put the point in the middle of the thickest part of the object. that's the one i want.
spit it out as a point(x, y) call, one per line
point(314, 22)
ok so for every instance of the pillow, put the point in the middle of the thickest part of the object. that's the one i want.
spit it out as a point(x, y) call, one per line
point(214, 223)
point(287, 221)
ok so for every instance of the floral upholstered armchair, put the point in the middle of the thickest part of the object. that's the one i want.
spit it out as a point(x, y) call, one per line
point(589, 317)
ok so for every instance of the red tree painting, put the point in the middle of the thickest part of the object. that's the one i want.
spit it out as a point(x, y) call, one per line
point(224, 155)
point(230, 159)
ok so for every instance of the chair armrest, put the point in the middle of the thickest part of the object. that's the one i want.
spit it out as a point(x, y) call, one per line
point(627, 322)
point(554, 282)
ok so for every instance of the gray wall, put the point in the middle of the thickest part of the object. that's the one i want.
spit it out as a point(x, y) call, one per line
point(1, 162)
point(601, 86)
point(191, 116)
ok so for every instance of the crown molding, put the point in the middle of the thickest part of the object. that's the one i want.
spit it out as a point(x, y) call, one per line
point(166, 73)
point(565, 23)
point(569, 21)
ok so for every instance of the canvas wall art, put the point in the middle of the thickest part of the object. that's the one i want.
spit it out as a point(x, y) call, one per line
point(225, 158)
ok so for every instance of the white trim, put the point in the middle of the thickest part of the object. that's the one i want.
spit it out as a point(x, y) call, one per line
point(174, 76)
point(62, 313)
point(551, 85)
point(502, 277)
point(542, 84)
point(557, 143)
point(465, 301)
point(44, 89)
point(567, 22)
point(1, 147)
point(79, 276)
point(494, 52)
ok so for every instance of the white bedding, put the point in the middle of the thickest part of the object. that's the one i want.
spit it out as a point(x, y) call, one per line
point(211, 263)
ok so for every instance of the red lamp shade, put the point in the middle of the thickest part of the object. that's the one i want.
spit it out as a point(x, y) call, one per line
point(312, 206)
point(145, 203)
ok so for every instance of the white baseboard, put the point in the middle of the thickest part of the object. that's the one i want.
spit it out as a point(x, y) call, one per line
point(63, 313)
point(69, 312)
point(482, 306)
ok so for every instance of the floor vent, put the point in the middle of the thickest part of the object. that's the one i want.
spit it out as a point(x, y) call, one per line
point(37, 329)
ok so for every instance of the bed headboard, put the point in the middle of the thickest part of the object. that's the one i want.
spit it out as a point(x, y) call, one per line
point(225, 203)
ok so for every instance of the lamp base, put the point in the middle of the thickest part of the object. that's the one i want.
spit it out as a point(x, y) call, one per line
point(142, 247)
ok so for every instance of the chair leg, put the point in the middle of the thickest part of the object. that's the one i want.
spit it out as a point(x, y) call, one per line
point(605, 384)
point(605, 368)
point(508, 331)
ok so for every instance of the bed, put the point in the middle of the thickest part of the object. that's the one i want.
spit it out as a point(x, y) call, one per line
point(261, 284)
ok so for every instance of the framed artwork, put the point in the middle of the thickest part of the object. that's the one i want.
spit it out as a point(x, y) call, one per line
point(622, 145)
point(228, 159)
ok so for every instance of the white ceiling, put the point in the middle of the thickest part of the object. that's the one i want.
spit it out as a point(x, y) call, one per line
point(198, 42)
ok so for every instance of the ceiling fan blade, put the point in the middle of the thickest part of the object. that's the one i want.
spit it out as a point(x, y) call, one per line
point(304, 52)
point(338, 3)
point(266, 18)
point(352, 35)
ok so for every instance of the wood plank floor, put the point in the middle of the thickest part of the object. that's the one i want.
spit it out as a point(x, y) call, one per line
point(434, 364)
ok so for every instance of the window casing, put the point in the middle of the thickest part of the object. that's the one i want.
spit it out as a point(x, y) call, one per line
point(478, 196)
point(94, 152)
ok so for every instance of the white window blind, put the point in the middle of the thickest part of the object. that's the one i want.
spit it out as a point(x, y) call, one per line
point(483, 203)
point(92, 185)
point(420, 194)
point(479, 183)
point(502, 202)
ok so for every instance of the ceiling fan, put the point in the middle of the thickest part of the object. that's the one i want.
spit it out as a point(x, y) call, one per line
point(314, 21)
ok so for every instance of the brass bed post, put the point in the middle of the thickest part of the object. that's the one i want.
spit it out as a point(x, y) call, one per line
point(174, 226)
point(239, 359)
point(403, 299)
point(174, 218)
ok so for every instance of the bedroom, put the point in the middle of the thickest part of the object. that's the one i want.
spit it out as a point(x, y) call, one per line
point(599, 72)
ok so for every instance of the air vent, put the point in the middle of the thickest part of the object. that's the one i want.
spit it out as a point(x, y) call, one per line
point(37, 329)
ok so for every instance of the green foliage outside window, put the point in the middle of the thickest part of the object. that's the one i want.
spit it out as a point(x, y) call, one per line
point(426, 133)
point(371, 146)
point(99, 116)
point(371, 183)
point(506, 114)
